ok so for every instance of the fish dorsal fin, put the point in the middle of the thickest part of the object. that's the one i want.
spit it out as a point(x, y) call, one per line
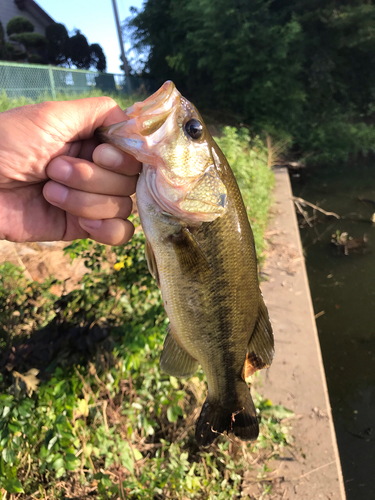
point(151, 262)
point(190, 256)
point(175, 360)
point(261, 347)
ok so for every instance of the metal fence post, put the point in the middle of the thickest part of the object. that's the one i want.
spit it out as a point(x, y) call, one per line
point(52, 81)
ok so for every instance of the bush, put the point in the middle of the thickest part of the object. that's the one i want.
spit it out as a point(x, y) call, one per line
point(30, 39)
point(19, 24)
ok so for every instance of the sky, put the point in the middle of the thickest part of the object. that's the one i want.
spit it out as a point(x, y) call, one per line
point(96, 21)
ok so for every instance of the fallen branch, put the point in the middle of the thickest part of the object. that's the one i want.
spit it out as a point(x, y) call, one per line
point(302, 212)
point(304, 202)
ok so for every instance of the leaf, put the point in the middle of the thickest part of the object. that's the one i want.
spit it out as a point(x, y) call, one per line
point(58, 463)
point(126, 458)
point(174, 382)
point(137, 454)
point(29, 379)
point(277, 411)
point(173, 413)
point(8, 456)
point(6, 411)
point(60, 472)
point(13, 486)
point(83, 408)
point(52, 442)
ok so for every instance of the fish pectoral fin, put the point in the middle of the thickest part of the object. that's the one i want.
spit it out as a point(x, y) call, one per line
point(190, 256)
point(261, 347)
point(151, 262)
point(175, 360)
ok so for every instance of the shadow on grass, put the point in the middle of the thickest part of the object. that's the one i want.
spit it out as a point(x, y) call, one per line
point(58, 344)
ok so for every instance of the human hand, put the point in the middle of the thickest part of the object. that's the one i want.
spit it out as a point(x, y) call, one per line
point(88, 194)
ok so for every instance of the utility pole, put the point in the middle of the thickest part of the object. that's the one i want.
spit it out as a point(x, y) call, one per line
point(123, 56)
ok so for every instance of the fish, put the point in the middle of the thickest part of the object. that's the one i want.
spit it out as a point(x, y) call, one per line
point(200, 249)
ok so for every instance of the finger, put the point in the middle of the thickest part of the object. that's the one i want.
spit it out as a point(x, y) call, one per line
point(109, 231)
point(86, 176)
point(77, 120)
point(87, 205)
point(112, 158)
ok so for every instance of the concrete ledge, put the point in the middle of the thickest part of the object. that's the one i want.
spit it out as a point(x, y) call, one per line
point(311, 468)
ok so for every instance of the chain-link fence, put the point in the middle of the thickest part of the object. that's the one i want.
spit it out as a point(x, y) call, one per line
point(34, 80)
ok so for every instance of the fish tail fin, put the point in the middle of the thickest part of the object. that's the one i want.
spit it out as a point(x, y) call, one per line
point(237, 416)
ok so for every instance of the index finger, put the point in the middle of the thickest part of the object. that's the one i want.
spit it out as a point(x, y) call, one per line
point(114, 159)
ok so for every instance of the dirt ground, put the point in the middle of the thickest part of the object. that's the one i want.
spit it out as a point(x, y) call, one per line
point(310, 468)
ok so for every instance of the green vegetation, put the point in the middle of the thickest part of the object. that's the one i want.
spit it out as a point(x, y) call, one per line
point(18, 25)
point(8, 103)
point(113, 422)
point(295, 68)
point(84, 407)
point(248, 159)
point(55, 48)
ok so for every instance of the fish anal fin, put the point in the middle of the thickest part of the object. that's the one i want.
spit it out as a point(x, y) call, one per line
point(261, 347)
point(151, 262)
point(190, 256)
point(175, 360)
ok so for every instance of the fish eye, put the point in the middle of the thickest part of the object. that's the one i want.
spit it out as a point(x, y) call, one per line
point(194, 128)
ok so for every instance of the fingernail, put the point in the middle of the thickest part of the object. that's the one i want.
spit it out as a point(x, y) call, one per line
point(89, 224)
point(60, 169)
point(55, 192)
point(110, 157)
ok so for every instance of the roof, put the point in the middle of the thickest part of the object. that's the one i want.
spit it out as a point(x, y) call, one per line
point(36, 10)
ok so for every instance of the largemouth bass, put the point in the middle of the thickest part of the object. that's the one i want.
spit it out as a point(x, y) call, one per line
point(200, 249)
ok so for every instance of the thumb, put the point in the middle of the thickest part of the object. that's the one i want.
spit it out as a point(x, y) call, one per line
point(80, 118)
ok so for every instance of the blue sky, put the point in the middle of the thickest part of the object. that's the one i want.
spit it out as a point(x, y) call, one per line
point(96, 21)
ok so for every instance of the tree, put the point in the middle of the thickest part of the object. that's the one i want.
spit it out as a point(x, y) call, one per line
point(97, 57)
point(19, 24)
point(304, 68)
point(231, 55)
point(83, 55)
point(58, 44)
point(80, 51)
point(21, 30)
point(3, 47)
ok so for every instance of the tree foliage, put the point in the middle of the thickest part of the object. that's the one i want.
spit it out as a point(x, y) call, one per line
point(97, 57)
point(30, 39)
point(297, 67)
point(56, 48)
point(80, 51)
point(19, 24)
point(58, 44)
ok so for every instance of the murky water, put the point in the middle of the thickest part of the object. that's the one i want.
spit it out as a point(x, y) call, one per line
point(343, 292)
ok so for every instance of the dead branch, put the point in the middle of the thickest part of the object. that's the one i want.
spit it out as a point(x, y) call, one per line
point(304, 202)
point(302, 212)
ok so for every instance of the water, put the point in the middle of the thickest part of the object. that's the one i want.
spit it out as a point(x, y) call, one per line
point(343, 287)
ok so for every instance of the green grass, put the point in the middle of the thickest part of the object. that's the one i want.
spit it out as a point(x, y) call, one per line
point(9, 103)
point(96, 415)
point(248, 159)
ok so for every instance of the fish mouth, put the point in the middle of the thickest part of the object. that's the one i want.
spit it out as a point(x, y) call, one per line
point(143, 120)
